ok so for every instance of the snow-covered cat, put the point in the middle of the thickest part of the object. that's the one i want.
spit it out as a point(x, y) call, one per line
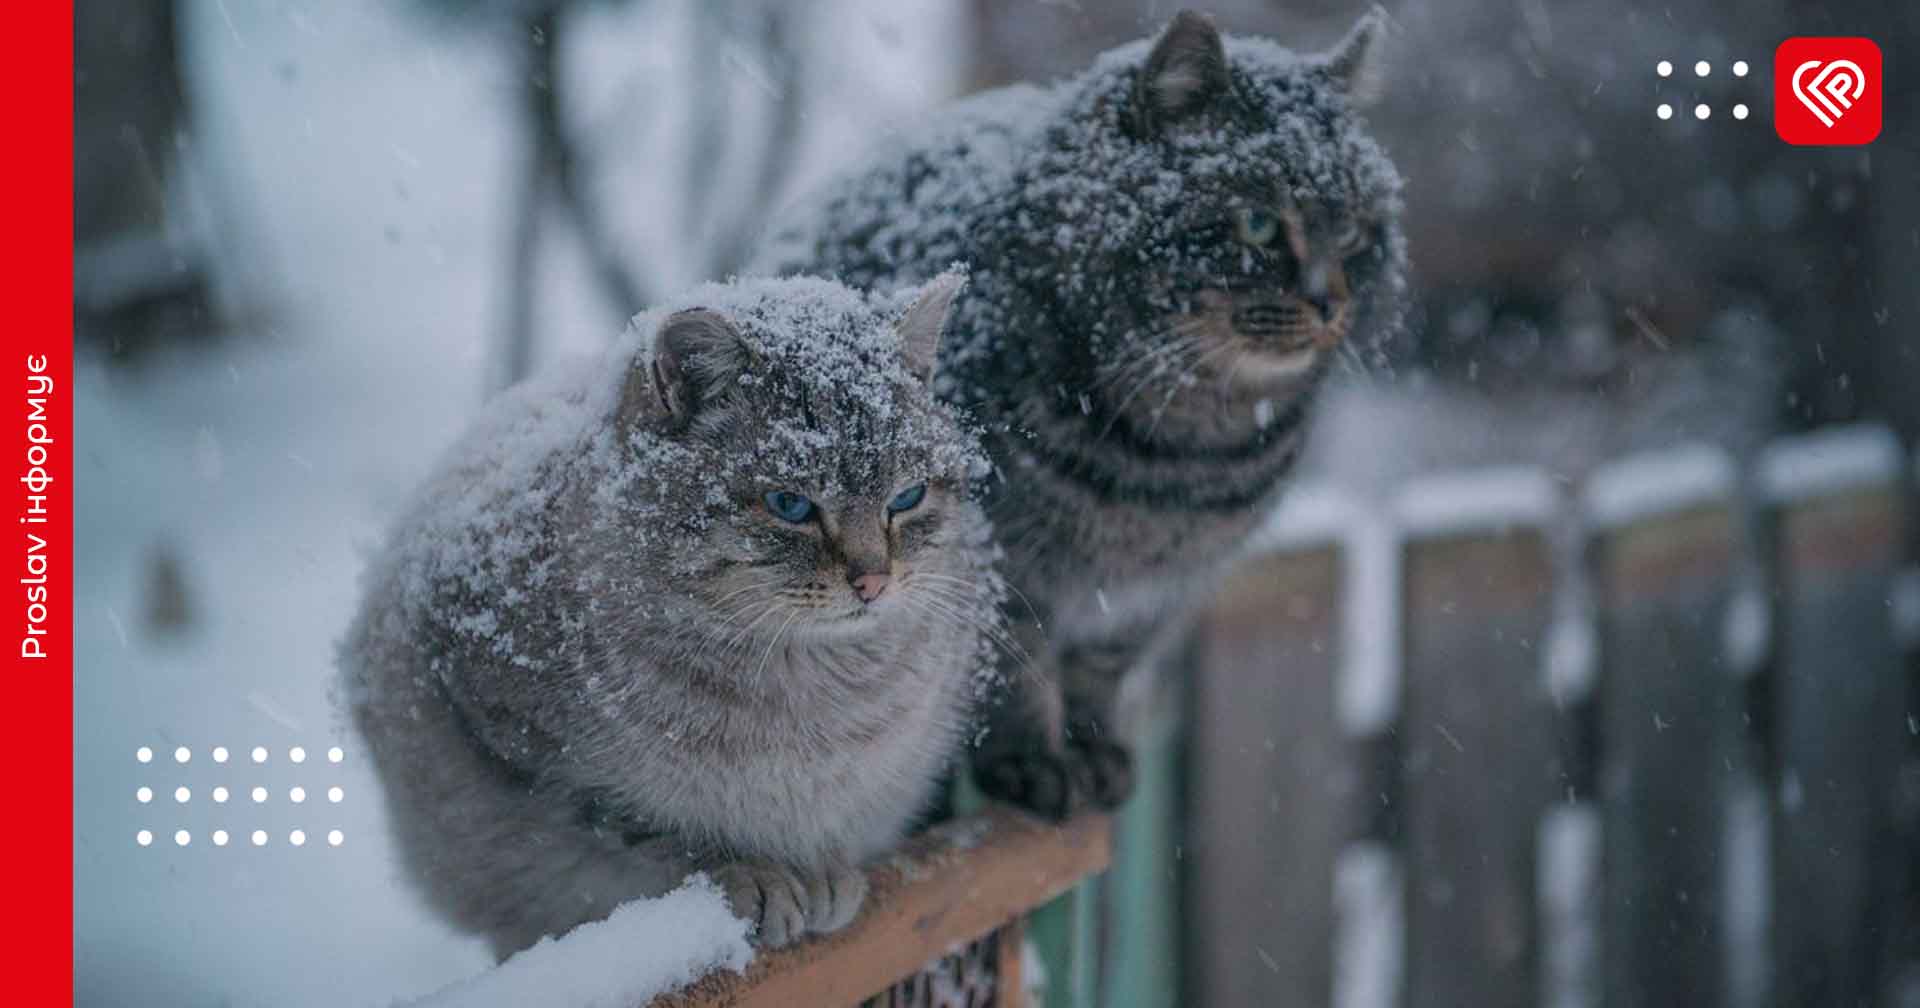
point(1168, 251)
point(717, 602)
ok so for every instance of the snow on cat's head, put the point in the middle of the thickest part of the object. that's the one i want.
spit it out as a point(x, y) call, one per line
point(1222, 194)
point(791, 466)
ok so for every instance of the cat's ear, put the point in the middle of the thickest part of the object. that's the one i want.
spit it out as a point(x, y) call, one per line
point(1357, 63)
point(1186, 71)
point(925, 320)
point(695, 352)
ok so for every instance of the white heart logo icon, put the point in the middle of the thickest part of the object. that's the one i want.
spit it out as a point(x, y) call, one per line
point(1832, 90)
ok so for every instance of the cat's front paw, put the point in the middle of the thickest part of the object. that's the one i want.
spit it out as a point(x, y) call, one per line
point(770, 898)
point(1087, 773)
point(784, 905)
point(834, 898)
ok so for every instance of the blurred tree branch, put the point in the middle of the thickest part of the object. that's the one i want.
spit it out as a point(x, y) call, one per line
point(718, 234)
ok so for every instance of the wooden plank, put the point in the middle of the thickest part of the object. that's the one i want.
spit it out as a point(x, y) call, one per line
point(1267, 786)
point(948, 887)
point(1009, 965)
point(1671, 716)
point(1838, 719)
point(1478, 751)
point(1140, 915)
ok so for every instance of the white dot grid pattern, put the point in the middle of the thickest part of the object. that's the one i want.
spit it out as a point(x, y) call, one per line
point(183, 755)
point(1701, 68)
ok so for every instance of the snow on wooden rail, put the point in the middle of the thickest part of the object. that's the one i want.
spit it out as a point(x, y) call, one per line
point(955, 884)
point(958, 891)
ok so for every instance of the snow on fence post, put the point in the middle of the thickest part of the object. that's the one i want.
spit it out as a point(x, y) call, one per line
point(1664, 552)
point(1268, 773)
point(1839, 716)
point(1477, 730)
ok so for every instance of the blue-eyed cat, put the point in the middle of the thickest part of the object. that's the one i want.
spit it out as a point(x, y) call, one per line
point(715, 601)
point(1168, 252)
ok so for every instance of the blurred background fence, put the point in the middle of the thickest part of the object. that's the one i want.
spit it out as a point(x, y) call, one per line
point(1503, 741)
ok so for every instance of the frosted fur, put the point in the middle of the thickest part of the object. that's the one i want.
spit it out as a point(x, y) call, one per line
point(1138, 425)
point(590, 662)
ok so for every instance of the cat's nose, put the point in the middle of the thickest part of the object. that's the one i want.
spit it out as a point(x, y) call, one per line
point(871, 586)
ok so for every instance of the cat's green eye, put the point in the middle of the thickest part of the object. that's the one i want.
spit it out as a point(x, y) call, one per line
point(908, 499)
point(789, 506)
point(1253, 226)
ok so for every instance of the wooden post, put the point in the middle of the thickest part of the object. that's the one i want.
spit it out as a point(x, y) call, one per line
point(1267, 775)
point(1665, 552)
point(1839, 720)
point(1476, 732)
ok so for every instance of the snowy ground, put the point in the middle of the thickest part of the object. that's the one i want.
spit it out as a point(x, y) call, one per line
point(373, 163)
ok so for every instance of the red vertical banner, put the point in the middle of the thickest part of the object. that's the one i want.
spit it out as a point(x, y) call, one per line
point(36, 373)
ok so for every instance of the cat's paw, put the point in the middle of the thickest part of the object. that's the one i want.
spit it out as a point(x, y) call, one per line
point(1103, 772)
point(1093, 773)
point(773, 899)
point(834, 898)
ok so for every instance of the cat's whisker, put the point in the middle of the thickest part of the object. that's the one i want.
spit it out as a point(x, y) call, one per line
point(974, 586)
point(1226, 380)
point(1160, 412)
point(770, 582)
point(741, 637)
point(1156, 354)
point(993, 628)
point(1350, 356)
point(1138, 387)
point(989, 631)
point(774, 643)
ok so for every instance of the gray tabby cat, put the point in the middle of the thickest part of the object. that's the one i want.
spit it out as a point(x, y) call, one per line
point(1168, 251)
point(720, 606)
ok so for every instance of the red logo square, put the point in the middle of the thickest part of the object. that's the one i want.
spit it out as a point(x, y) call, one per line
point(1826, 91)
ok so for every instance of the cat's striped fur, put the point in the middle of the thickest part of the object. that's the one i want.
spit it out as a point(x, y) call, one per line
point(1167, 254)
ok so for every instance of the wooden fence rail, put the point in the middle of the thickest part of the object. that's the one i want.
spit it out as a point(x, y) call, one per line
point(942, 927)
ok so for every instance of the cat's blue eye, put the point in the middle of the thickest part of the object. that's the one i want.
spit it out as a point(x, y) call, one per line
point(1255, 227)
point(789, 506)
point(908, 499)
